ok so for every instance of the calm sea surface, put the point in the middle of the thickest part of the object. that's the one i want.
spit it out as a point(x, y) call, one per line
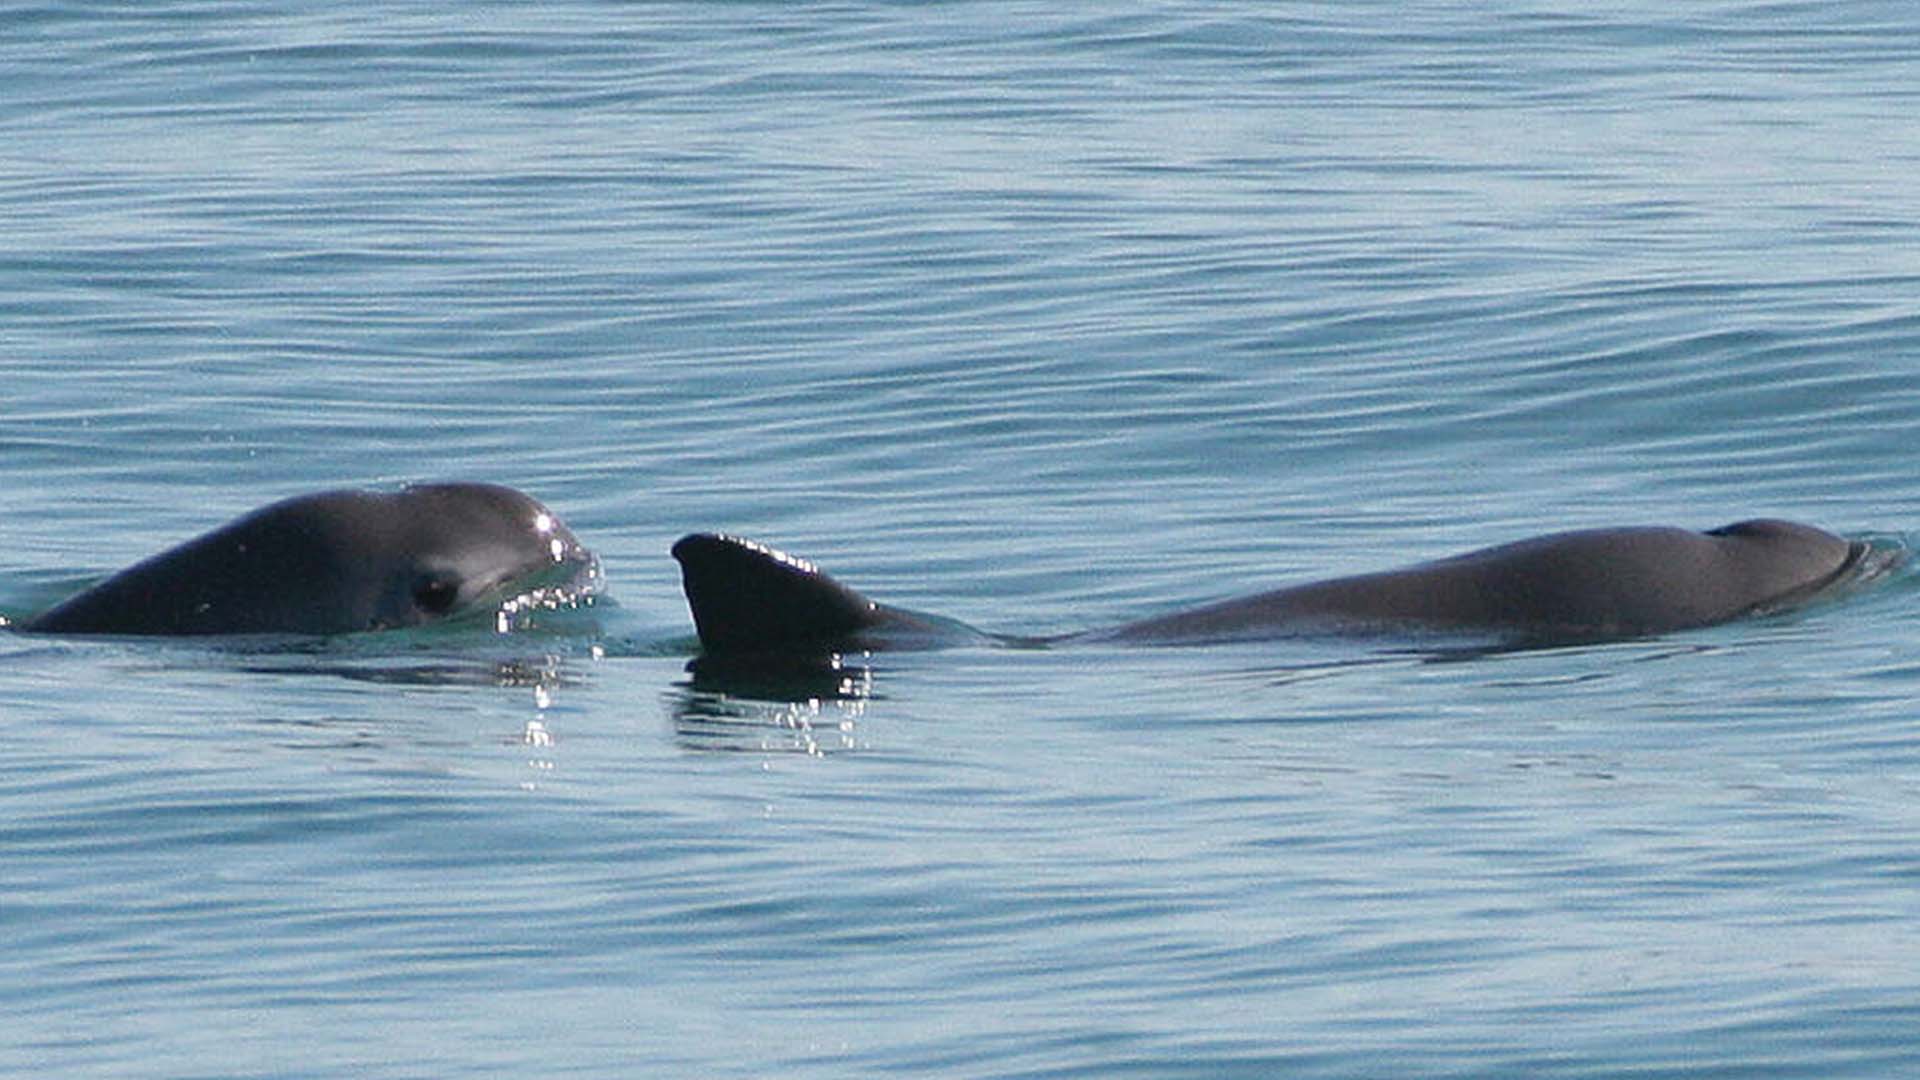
point(1041, 317)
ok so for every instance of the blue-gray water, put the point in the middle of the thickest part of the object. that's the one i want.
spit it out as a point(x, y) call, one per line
point(1045, 318)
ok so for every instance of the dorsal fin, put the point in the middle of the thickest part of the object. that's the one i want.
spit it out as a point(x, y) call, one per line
point(748, 597)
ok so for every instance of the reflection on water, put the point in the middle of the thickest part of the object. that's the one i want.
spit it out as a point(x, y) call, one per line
point(806, 704)
point(542, 672)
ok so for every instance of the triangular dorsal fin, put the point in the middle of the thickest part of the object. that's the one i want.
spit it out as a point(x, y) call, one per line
point(747, 597)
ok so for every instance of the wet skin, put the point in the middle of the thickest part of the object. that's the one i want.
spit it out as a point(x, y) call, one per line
point(337, 562)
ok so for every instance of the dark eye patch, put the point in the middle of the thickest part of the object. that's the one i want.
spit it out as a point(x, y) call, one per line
point(435, 595)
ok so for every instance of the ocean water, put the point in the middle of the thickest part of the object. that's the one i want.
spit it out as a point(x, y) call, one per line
point(1042, 317)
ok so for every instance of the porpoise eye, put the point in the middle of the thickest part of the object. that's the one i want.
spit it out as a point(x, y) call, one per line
point(435, 595)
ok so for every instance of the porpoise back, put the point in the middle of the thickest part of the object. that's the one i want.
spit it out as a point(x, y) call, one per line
point(1595, 584)
point(1583, 586)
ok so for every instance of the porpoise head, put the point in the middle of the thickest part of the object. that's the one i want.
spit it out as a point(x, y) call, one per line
point(1784, 562)
point(459, 548)
point(344, 561)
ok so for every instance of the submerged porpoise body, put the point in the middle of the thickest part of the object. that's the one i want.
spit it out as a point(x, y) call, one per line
point(339, 562)
point(1570, 587)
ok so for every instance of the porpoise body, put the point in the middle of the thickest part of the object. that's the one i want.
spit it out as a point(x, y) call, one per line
point(1583, 586)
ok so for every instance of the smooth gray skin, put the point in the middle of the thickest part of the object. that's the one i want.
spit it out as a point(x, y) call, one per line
point(337, 562)
point(1592, 585)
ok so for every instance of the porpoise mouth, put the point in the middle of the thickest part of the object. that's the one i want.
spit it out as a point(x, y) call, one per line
point(573, 580)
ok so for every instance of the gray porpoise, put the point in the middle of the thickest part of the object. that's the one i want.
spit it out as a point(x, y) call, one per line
point(339, 562)
point(1563, 588)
